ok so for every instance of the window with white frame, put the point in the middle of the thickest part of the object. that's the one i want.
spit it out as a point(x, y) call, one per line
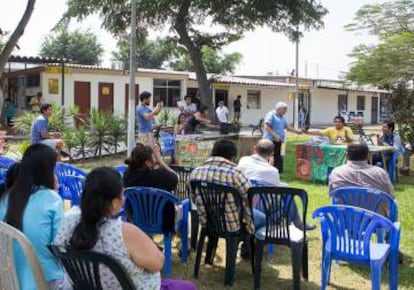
point(168, 91)
point(253, 99)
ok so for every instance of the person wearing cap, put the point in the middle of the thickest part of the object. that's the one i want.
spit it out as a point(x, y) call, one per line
point(338, 134)
point(146, 118)
point(274, 130)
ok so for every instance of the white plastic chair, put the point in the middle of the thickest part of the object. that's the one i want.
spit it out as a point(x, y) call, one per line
point(9, 236)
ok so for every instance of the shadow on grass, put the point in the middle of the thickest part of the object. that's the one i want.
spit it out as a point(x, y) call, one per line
point(406, 272)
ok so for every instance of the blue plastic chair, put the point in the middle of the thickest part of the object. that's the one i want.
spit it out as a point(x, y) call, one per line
point(368, 198)
point(167, 142)
point(347, 233)
point(3, 174)
point(6, 162)
point(121, 169)
point(71, 187)
point(393, 167)
point(146, 205)
point(62, 169)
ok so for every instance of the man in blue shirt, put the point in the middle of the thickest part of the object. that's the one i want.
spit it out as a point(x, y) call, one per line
point(145, 118)
point(274, 130)
point(40, 131)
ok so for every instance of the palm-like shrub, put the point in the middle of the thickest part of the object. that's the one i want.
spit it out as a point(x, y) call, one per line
point(99, 130)
point(57, 121)
point(23, 123)
point(117, 129)
point(81, 140)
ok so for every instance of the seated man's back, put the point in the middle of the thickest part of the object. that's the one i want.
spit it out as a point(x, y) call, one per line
point(357, 172)
point(257, 168)
point(221, 170)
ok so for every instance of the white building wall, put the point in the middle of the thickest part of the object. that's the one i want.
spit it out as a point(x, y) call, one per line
point(269, 98)
point(324, 105)
point(324, 102)
point(145, 83)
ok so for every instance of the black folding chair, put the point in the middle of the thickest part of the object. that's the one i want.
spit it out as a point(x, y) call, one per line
point(214, 197)
point(83, 268)
point(183, 192)
point(276, 204)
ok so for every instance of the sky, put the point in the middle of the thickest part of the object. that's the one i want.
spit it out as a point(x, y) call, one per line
point(322, 54)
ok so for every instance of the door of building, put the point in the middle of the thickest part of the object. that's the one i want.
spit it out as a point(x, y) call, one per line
point(304, 109)
point(82, 99)
point(221, 95)
point(127, 97)
point(106, 97)
point(374, 110)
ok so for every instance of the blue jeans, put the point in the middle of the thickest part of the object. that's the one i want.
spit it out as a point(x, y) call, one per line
point(259, 217)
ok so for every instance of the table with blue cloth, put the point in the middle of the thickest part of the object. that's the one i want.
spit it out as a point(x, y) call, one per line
point(314, 162)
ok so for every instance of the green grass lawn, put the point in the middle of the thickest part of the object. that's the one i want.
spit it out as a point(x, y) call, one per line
point(276, 270)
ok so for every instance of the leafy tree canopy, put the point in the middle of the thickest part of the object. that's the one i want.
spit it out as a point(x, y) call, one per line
point(387, 63)
point(198, 23)
point(390, 63)
point(384, 19)
point(150, 53)
point(213, 60)
point(161, 53)
point(77, 46)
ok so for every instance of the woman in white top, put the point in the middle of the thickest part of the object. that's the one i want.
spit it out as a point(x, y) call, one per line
point(94, 228)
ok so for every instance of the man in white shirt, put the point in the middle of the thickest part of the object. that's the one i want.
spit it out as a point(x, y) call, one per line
point(259, 167)
point(222, 112)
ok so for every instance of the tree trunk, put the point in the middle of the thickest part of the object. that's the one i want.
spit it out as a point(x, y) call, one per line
point(195, 53)
point(17, 33)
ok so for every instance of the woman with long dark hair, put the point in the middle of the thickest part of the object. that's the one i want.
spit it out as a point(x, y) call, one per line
point(32, 206)
point(146, 167)
point(95, 228)
point(179, 127)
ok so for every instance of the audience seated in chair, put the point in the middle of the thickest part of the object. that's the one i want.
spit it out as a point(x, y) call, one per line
point(388, 138)
point(146, 167)
point(96, 229)
point(32, 206)
point(220, 169)
point(259, 167)
point(357, 172)
point(40, 132)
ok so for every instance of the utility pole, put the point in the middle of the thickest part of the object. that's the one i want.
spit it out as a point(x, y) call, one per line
point(296, 99)
point(132, 69)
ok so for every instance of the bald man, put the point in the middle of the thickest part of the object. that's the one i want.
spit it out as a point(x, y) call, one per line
point(259, 166)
